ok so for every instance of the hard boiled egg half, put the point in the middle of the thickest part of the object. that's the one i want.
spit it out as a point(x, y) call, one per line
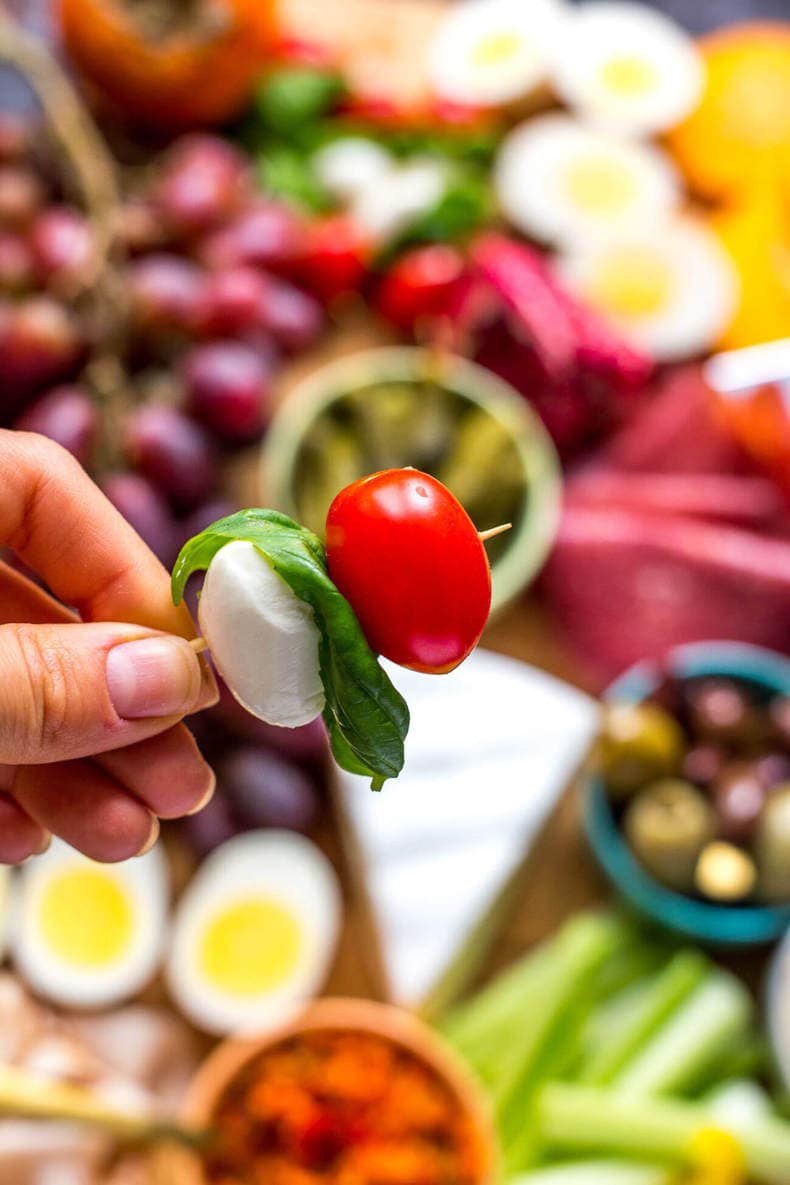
point(88, 935)
point(628, 68)
point(558, 181)
point(673, 292)
point(254, 932)
point(491, 53)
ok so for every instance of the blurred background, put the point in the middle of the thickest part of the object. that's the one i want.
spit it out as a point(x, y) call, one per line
point(251, 250)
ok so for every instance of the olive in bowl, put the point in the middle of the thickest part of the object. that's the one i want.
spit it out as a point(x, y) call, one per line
point(700, 841)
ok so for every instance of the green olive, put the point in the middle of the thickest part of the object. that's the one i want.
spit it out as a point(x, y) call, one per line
point(667, 826)
point(725, 872)
point(638, 743)
point(772, 846)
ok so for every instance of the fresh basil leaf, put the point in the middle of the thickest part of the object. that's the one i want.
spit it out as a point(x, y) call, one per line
point(367, 719)
point(288, 175)
point(463, 209)
point(295, 96)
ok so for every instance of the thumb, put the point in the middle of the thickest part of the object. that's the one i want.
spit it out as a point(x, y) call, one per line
point(69, 691)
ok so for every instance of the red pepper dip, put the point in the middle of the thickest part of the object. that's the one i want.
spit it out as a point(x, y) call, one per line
point(338, 1107)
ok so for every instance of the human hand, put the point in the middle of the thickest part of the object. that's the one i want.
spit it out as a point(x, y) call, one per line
point(91, 748)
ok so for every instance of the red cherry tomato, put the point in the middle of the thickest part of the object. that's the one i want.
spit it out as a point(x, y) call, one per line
point(406, 555)
point(420, 285)
point(336, 257)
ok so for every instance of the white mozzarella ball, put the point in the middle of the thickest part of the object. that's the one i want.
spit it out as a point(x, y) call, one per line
point(346, 166)
point(262, 637)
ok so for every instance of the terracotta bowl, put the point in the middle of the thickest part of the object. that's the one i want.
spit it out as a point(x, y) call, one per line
point(178, 1166)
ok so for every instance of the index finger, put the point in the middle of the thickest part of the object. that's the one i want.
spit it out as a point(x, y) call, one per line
point(55, 518)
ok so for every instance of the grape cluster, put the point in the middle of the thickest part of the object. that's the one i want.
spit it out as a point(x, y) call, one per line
point(266, 776)
point(211, 310)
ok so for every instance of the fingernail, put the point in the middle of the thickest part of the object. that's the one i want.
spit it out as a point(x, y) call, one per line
point(44, 846)
point(157, 676)
point(152, 838)
point(207, 797)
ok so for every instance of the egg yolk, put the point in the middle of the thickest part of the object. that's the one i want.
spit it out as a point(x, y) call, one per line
point(250, 947)
point(628, 77)
point(85, 917)
point(633, 283)
point(497, 48)
point(599, 185)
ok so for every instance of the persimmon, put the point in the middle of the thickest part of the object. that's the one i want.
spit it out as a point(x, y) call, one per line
point(739, 135)
point(171, 63)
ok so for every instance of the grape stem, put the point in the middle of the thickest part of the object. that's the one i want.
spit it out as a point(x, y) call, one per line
point(93, 170)
point(76, 133)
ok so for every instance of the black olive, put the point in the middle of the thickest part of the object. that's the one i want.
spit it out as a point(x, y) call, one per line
point(721, 710)
point(739, 797)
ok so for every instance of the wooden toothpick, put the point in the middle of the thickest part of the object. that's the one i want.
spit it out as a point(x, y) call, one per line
point(494, 531)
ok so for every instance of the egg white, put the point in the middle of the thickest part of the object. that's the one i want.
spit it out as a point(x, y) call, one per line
point(143, 884)
point(628, 67)
point(702, 292)
point(277, 866)
point(490, 53)
point(635, 186)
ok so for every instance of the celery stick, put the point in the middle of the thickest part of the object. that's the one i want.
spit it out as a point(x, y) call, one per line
point(490, 1014)
point(715, 1015)
point(657, 1000)
point(578, 952)
point(585, 1119)
point(597, 1172)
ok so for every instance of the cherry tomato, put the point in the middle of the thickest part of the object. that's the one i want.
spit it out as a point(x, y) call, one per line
point(336, 257)
point(420, 284)
point(405, 554)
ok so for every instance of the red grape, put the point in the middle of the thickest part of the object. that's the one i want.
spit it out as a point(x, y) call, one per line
point(21, 196)
point(165, 293)
point(67, 415)
point(227, 389)
point(267, 235)
point(39, 344)
point(140, 227)
point(200, 185)
point(307, 745)
point(145, 509)
point(14, 137)
point(291, 316)
point(16, 263)
point(267, 791)
point(210, 827)
point(202, 517)
point(62, 244)
point(173, 452)
point(230, 302)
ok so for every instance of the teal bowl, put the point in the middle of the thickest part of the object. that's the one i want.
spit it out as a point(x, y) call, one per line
point(721, 925)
